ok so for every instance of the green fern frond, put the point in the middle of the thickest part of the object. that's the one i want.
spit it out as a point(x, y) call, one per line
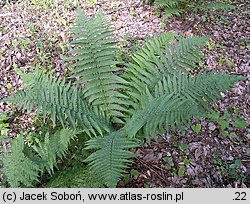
point(94, 53)
point(76, 177)
point(161, 4)
point(168, 12)
point(19, 169)
point(159, 113)
point(54, 147)
point(176, 99)
point(202, 89)
point(111, 157)
point(61, 101)
point(177, 7)
point(170, 7)
point(152, 63)
point(4, 139)
point(27, 161)
point(216, 6)
point(141, 72)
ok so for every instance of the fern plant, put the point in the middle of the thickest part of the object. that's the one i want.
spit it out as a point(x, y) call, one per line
point(18, 168)
point(76, 177)
point(26, 162)
point(178, 7)
point(116, 107)
point(4, 140)
point(170, 7)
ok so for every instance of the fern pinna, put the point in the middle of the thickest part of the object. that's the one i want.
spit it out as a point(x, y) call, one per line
point(116, 107)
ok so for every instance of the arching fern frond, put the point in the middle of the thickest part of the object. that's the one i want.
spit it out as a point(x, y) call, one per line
point(216, 6)
point(176, 99)
point(60, 100)
point(152, 63)
point(202, 89)
point(4, 140)
point(18, 168)
point(76, 177)
point(157, 42)
point(54, 147)
point(27, 162)
point(111, 157)
point(94, 53)
point(167, 3)
point(158, 113)
point(145, 65)
point(170, 7)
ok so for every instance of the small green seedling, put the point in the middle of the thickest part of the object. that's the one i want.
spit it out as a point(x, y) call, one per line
point(9, 87)
point(91, 3)
point(181, 171)
point(214, 116)
point(133, 173)
point(196, 128)
point(15, 43)
point(132, 11)
point(169, 162)
point(240, 123)
point(3, 125)
point(224, 125)
point(230, 63)
point(224, 121)
point(221, 62)
point(210, 45)
point(185, 148)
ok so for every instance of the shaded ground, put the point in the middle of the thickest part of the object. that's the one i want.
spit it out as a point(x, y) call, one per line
point(218, 155)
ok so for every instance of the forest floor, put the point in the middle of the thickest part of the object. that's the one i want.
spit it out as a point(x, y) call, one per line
point(211, 152)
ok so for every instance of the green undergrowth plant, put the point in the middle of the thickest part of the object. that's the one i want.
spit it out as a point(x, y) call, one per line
point(232, 170)
point(178, 7)
point(225, 120)
point(4, 140)
point(78, 176)
point(26, 162)
point(113, 107)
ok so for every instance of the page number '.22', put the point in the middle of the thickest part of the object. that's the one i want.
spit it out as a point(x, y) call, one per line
point(240, 196)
